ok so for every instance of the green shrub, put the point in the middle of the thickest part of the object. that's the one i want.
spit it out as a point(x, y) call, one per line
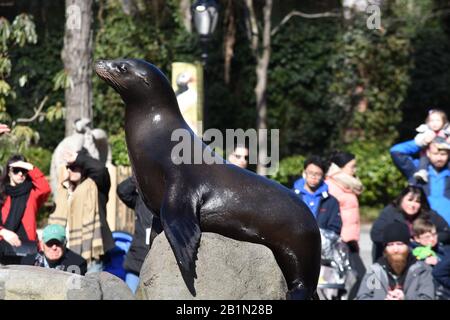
point(119, 149)
point(381, 179)
point(39, 157)
point(6, 150)
point(289, 170)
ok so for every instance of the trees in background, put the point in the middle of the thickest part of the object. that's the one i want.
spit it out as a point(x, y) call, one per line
point(13, 36)
point(331, 82)
point(30, 59)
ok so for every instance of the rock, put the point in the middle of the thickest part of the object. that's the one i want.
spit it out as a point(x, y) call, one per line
point(112, 287)
point(36, 283)
point(226, 269)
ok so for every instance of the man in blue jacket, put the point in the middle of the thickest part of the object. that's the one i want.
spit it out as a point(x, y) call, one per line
point(314, 192)
point(437, 188)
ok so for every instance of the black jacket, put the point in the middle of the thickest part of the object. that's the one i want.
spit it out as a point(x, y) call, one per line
point(391, 214)
point(441, 272)
point(144, 219)
point(70, 262)
point(97, 171)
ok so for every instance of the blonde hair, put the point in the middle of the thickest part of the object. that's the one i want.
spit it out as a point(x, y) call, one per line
point(440, 113)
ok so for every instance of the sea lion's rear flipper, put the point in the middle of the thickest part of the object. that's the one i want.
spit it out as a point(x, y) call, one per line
point(182, 229)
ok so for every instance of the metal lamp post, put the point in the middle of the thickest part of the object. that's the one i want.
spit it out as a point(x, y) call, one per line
point(205, 13)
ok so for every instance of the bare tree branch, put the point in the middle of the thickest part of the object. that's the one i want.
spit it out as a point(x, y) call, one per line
point(304, 15)
point(437, 13)
point(129, 7)
point(36, 114)
point(229, 39)
point(185, 8)
point(254, 33)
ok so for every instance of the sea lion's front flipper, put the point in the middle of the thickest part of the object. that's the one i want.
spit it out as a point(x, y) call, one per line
point(182, 229)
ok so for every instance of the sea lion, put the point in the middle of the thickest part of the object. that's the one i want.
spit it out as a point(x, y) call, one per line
point(220, 198)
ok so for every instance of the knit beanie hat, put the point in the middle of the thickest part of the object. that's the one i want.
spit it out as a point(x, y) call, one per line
point(441, 143)
point(341, 158)
point(396, 232)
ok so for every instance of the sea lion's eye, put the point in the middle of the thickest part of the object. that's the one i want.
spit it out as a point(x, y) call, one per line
point(122, 68)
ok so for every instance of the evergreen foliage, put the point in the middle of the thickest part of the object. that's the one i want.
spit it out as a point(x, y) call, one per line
point(331, 84)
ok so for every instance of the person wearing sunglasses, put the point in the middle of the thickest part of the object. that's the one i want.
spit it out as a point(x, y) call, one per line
point(54, 253)
point(23, 190)
point(239, 157)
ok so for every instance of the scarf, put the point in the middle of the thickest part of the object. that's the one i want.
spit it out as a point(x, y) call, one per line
point(345, 180)
point(80, 213)
point(19, 197)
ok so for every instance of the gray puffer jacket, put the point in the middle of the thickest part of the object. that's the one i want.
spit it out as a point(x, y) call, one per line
point(418, 283)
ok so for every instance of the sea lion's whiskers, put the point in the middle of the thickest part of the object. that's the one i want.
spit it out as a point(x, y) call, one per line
point(114, 80)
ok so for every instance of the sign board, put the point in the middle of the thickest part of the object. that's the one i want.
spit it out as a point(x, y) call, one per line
point(187, 82)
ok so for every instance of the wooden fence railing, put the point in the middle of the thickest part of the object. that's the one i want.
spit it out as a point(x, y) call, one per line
point(119, 216)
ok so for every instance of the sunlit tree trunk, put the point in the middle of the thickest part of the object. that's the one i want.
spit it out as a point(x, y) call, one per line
point(185, 9)
point(77, 58)
point(262, 55)
point(229, 39)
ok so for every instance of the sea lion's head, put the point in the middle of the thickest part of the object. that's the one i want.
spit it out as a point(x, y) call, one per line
point(135, 80)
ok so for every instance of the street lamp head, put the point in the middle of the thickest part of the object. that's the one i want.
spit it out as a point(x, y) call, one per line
point(205, 14)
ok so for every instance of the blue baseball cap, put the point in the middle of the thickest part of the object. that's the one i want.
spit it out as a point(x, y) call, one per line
point(54, 232)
